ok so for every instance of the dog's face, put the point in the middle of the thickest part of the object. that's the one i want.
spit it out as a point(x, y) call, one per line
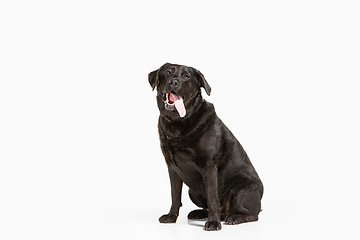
point(177, 87)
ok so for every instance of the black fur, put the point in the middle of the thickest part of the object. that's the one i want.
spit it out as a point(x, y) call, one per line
point(201, 152)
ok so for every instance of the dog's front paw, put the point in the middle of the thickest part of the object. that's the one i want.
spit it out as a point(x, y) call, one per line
point(212, 226)
point(167, 218)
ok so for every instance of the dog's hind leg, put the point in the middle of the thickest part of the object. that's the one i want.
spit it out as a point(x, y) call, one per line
point(199, 201)
point(245, 205)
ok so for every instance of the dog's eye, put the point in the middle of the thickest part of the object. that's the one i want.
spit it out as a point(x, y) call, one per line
point(186, 76)
point(168, 72)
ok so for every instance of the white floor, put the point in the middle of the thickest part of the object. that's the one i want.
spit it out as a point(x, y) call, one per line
point(102, 209)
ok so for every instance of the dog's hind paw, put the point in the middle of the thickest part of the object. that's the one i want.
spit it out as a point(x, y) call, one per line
point(167, 218)
point(198, 214)
point(234, 219)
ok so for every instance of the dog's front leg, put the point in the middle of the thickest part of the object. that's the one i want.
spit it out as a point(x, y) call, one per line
point(176, 189)
point(210, 177)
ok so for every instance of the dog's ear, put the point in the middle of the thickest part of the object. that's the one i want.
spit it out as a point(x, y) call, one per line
point(203, 83)
point(154, 76)
point(153, 79)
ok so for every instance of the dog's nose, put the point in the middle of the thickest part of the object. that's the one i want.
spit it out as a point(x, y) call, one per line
point(174, 83)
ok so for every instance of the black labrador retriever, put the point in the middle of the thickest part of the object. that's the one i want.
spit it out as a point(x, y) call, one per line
point(201, 152)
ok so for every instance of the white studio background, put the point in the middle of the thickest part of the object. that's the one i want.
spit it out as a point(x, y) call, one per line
point(79, 151)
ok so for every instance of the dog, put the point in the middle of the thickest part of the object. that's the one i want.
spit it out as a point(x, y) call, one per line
point(201, 152)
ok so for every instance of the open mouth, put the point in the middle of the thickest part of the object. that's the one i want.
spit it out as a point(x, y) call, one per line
point(173, 101)
point(170, 98)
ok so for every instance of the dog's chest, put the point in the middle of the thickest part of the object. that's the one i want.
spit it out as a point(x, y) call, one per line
point(184, 162)
point(182, 158)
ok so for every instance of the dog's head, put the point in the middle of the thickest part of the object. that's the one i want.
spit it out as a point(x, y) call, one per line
point(178, 87)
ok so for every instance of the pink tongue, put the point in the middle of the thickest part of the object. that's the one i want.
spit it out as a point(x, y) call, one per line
point(179, 104)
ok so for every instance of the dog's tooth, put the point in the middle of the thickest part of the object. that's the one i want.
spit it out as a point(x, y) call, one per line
point(168, 98)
